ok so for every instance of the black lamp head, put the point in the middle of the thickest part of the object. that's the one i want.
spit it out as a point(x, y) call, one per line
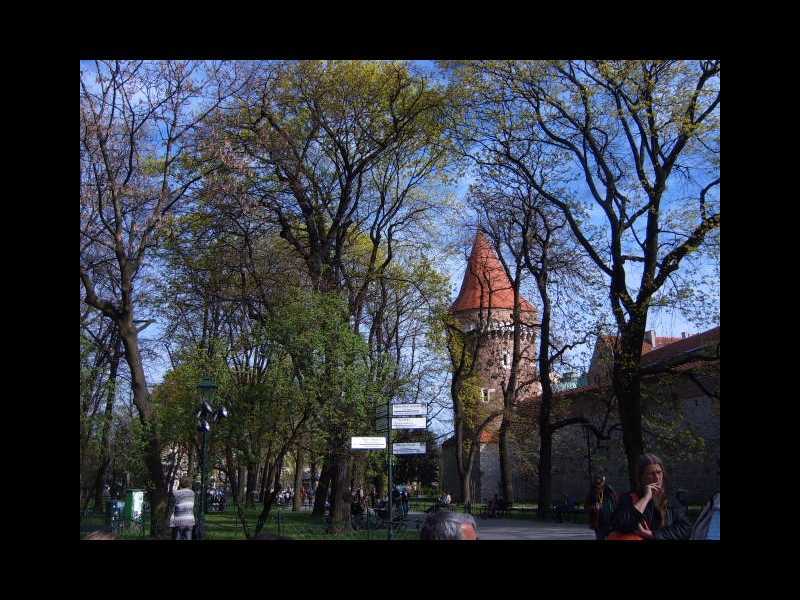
point(203, 426)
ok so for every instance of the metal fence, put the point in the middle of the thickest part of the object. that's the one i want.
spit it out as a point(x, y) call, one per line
point(112, 519)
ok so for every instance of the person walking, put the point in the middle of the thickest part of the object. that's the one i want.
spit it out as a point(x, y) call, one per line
point(600, 505)
point(645, 513)
point(183, 515)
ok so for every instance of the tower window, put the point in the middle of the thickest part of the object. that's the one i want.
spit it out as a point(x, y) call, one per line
point(486, 394)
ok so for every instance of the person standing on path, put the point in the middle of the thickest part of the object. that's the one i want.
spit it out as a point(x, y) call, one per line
point(600, 505)
point(183, 519)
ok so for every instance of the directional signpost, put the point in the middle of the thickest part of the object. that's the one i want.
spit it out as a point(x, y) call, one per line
point(403, 416)
point(408, 423)
point(408, 410)
point(368, 443)
point(409, 448)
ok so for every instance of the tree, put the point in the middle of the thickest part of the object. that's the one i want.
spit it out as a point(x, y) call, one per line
point(329, 151)
point(463, 349)
point(136, 122)
point(621, 132)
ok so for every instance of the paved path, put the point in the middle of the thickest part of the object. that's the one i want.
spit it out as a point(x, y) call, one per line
point(521, 529)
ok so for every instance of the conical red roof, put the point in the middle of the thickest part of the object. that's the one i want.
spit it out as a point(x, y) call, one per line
point(485, 282)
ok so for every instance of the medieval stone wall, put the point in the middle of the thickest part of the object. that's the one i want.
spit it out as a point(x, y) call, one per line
point(689, 444)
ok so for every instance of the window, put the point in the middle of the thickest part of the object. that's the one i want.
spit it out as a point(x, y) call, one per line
point(506, 362)
point(486, 394)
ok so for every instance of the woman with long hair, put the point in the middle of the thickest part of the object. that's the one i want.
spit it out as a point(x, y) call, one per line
point(645, 513)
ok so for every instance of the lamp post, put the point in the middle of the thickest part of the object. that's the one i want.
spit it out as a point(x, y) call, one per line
point(205, 416)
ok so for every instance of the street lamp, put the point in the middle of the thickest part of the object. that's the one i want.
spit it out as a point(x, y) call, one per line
point(205, 416)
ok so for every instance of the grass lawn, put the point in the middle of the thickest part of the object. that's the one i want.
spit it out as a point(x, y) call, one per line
point(296, 525)
point(226, 526)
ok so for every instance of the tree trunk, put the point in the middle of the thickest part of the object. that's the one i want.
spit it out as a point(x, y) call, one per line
point(252, 476)
point(241, 477)
point(505, 460)
point(312, 484)
point(466, 485)
point(269, 499)
point(297, 501)
point(105, 442)
point(626, 383)
point(190, 459)
point(545, 496)
point(322, 489)
point(340, 509)
point(262, 494)
point(159, 519)
point(230, 465)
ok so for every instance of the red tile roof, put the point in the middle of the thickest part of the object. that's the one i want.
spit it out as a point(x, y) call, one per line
point(485, 282)
point(681, 346)
point(651, 357)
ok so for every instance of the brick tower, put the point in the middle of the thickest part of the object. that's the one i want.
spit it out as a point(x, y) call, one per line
point(484, 308)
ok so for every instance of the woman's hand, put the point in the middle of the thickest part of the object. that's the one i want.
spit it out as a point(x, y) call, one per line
point(651, 490)
point(644, 531)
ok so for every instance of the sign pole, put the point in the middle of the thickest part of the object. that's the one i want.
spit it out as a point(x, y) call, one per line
point(389, 459)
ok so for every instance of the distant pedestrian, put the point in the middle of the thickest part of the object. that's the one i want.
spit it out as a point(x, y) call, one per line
point(492, 508)
point(183, 516)
point(600, 505)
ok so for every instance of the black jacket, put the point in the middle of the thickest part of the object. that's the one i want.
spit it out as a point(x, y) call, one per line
point(603, 518)
point(626, 519)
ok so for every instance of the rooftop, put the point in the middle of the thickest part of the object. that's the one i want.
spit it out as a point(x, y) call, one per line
point(486, 284)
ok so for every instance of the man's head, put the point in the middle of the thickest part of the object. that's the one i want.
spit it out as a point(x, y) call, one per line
point(599, 481)
point(185, 483)
point(447, 525)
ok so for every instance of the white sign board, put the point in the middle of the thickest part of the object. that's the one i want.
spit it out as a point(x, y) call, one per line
point(408, 410)
point(137, 506)
point(368, 443)
point(409, 448)
point(408, 423)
